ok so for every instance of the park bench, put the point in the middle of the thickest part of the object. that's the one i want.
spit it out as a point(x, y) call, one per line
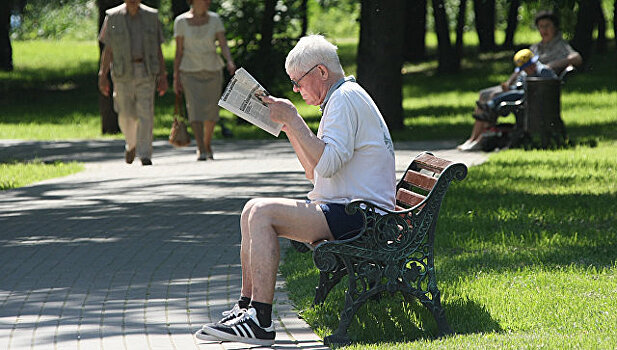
point(538, 116)
point(393, 252)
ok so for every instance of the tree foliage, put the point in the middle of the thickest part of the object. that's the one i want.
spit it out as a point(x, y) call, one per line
point(261, 33)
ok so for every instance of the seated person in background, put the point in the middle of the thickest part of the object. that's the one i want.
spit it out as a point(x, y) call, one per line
point(527, 65)
point(552, 50)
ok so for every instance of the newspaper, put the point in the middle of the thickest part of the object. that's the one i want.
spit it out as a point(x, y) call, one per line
point(241, 97)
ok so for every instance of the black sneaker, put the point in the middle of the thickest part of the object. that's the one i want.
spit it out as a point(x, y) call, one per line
point(232, 314)
point(244, 329)
point(228, 315)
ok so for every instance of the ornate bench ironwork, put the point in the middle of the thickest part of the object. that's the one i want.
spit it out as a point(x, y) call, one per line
point(394, 251)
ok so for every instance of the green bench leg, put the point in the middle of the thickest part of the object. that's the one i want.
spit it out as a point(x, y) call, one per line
point(327, 281)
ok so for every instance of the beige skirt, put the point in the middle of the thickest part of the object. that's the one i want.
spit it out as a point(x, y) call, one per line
point(202, 91)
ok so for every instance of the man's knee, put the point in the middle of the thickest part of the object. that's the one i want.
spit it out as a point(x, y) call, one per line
point(261, 210)
point(246, 211)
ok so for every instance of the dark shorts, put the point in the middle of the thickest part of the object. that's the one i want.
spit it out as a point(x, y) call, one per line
point(342, 225)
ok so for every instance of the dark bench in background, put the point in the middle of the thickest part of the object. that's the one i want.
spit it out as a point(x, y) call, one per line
point(538, 116)
point(393, 252)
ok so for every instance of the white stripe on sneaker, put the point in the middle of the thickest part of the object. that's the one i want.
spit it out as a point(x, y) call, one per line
point(248, 328)
point(235, 329)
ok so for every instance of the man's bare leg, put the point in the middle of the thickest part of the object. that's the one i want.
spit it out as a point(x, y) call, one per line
point(245, 251)
point(268, 219)
point(478, 128)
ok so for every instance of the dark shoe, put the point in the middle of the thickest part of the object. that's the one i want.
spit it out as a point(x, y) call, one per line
point(129, 155)
point(146, 161)
point(201, 156)
point(244, 329)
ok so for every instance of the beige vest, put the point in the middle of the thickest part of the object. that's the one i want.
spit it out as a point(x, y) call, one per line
point(118, 38)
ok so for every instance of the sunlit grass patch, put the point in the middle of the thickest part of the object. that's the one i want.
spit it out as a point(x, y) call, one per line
point(17, 174)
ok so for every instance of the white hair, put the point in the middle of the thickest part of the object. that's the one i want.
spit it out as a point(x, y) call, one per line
point(310, 51)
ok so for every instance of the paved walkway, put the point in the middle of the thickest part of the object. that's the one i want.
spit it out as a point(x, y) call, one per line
point(129, 257)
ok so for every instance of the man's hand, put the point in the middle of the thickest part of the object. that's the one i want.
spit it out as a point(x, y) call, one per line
point(281, 111)
point(104, 84)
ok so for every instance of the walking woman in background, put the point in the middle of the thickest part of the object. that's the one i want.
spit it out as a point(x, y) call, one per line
point(198, 69)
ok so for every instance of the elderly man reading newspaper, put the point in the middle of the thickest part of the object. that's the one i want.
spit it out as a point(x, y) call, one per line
point(351, 157)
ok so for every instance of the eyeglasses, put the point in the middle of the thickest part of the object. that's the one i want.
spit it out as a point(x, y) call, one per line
point(296, 83)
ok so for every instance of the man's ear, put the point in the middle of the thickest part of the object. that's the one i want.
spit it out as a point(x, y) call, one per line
point(324, 72)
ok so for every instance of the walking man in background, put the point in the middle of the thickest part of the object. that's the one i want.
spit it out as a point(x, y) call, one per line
point(132, 37)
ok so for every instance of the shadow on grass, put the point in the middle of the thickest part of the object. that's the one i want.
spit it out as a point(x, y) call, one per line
point(390, 318)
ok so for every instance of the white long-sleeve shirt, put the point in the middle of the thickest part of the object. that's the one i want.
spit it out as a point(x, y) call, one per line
point(358, 160)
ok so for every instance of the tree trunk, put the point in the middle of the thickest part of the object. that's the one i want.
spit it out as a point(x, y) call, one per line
point(508, 42)
point(265, 43)
point(583, 31)
point(484, 11)
point(415, 30)
point(109, 117)
point(448, 62)
point(460, 26)
point(304, 16)
point(6, 51)
point(178, 7)
point(380, 56)
point(615, 21)
point(267, 26)
point(601, 24)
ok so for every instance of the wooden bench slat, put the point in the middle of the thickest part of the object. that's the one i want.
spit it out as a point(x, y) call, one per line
point(422, 181)
point(409, 198)
point(432, 163)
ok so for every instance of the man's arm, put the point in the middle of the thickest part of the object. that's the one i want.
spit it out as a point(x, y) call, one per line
point(306, 144)
point(162, 84)
point(106, 58)
point(308, 148)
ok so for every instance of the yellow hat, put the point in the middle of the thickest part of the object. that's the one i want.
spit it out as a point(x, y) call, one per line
point(523, 59)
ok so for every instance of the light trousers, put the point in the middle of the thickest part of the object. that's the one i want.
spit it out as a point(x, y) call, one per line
point(134, 102)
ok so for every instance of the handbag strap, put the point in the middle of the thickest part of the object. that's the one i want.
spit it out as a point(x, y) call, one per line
point(178, 110)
